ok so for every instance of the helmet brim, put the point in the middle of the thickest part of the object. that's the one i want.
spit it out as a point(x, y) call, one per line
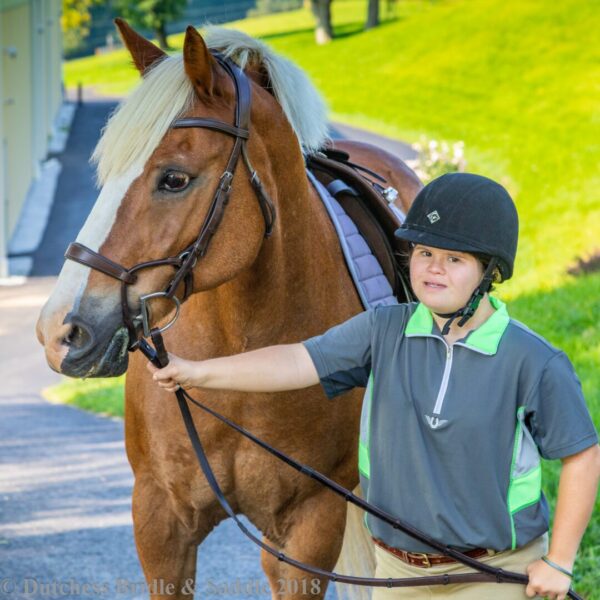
point(436, 241)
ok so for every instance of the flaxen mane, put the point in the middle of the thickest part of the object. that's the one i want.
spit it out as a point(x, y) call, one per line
point(165, 93)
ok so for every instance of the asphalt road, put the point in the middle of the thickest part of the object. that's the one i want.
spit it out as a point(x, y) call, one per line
point(65, 484)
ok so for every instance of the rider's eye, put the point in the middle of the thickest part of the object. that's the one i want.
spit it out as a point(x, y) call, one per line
point(174, 181)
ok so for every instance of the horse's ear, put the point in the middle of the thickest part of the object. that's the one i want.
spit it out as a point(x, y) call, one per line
point(198, 61)
point(143, 52)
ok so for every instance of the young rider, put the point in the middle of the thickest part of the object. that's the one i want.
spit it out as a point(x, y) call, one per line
point(463, 402)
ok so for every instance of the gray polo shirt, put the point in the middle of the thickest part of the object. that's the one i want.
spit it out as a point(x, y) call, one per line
point(451, 436)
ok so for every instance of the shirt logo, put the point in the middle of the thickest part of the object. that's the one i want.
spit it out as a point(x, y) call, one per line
point(435, 422)
point(433, 216)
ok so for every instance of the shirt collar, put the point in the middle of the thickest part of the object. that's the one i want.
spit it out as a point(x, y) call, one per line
point(484, 339)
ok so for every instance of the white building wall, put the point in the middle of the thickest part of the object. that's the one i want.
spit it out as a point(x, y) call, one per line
point(31, 96)
point(17, 107)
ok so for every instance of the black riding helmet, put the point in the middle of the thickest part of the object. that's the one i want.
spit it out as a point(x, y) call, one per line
point(467, 213)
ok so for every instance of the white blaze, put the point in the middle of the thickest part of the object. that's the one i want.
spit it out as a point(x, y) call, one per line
point(73, 277)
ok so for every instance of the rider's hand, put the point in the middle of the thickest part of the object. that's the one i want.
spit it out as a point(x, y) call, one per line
point(178, 373)
point(546, 581)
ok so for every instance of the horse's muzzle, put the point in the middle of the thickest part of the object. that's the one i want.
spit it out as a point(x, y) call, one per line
point(86, 358)
point(89, 342)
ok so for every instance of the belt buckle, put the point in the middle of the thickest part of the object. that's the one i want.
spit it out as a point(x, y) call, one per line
point(423, 556)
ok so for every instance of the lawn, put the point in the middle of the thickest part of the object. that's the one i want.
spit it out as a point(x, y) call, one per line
point(519, 83)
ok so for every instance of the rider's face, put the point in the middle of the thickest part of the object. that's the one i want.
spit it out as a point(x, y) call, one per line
point(443, 280)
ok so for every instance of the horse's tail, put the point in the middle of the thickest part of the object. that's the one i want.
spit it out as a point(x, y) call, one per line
point(357, 556)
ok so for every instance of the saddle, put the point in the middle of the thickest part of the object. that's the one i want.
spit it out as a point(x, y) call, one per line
point(370, 205)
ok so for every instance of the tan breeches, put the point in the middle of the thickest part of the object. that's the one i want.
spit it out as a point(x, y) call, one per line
point(516, 560)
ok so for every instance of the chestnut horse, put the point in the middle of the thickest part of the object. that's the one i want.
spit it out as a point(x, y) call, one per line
point(248, 292)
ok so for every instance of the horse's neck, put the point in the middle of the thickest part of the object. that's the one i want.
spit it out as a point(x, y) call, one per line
point(298, 286)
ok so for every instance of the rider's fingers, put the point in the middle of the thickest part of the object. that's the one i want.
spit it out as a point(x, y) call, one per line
point(165, 374)
point(167, 383)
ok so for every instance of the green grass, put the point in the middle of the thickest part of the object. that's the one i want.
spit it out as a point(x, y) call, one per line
point(518, 82)
point(104, 396)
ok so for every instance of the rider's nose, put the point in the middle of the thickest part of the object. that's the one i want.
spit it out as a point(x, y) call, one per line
point(436, 266)
point(79, 337)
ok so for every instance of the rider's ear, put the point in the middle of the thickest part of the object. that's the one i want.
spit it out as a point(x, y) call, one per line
point(198, 61)
point(143, 52)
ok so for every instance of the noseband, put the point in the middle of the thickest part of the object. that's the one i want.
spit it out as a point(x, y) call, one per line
point(186, 260)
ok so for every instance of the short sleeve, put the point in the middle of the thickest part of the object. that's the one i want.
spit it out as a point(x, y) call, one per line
point(559, 419)
point(342, 355)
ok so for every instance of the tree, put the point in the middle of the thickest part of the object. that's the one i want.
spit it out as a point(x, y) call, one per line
point(75, 22)
point(373, 14)
point(152, 14)
point(322, 11)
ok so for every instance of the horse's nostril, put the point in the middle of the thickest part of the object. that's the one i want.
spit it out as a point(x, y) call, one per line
point(79, 339)
point(75, 337)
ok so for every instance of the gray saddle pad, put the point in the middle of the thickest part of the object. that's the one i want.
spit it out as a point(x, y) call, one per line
point(370, 282)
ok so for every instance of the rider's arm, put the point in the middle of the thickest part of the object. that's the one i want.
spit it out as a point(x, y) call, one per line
point(562, 428)
point(270, 369)
point(576, 496)
point(577, 491)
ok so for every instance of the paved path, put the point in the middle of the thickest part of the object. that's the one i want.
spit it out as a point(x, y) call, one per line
point(400, 149)
point(75, 190)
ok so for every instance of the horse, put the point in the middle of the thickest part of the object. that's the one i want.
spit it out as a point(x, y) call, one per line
point(248, 291)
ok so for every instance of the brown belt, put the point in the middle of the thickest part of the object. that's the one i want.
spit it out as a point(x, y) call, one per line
point(420, 559)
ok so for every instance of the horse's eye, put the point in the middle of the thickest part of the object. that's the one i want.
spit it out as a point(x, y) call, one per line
point(174, 181)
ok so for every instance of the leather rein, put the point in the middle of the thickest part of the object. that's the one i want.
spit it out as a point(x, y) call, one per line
point(184, 264)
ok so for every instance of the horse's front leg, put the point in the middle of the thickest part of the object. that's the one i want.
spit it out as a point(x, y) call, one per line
point(167, 547)
point(314, 537)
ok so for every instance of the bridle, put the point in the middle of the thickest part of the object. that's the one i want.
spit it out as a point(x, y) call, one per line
point(186, 260)
point(184, 264)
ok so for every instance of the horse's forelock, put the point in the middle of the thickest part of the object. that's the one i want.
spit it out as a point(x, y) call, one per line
point(136, 127)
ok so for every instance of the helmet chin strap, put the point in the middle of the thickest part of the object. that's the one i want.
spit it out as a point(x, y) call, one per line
point(467, 311)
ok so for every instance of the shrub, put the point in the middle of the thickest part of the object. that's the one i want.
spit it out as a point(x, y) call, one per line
point(436, 158)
